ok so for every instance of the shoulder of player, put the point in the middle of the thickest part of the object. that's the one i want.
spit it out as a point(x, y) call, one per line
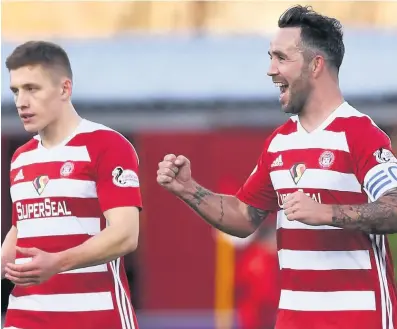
point(99, 138)
point(360, 126)
point(96, 135)
point(28, 146)
point(287, 128)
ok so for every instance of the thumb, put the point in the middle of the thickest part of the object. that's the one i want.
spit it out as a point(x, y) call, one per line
point(27, 251)
point(181, 160)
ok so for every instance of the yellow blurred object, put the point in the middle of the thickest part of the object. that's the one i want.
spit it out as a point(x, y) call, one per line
point(81, 19)
point(224, 282)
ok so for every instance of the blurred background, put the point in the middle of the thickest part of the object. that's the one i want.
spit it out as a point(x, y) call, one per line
point(190, 78)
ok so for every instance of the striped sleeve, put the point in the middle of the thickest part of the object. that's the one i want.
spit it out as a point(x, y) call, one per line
point(258, 190)
point(376, 164)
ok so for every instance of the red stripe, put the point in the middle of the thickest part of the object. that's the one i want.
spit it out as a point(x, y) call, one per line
point(322, 240)
point(325, 196)
point(311, 159)
point(87, 207)
point(81, 170)
point(71, 283)
point(327, 281)
point(287, 319)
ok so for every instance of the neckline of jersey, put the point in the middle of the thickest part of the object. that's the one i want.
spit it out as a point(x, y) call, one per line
point(65, 141)
point(324, 124)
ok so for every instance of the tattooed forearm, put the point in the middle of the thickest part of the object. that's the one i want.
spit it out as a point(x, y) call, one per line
point(257, 215)
point(379, 217)
point(198, 197)
point(224, 212)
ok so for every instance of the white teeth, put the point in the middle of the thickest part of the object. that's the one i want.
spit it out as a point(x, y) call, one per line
point(279, 84)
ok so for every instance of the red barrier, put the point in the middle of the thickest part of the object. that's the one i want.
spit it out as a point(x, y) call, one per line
point(177, 248)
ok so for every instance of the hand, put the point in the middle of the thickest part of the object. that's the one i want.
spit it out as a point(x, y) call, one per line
point(174, 173)
point(42, 266)
point(298, 206)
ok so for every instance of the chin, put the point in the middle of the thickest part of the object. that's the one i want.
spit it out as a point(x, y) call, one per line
point(285, 108)
point(33, 129)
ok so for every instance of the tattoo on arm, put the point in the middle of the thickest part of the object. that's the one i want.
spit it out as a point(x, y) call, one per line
point(222, 213)
point(379, 217)
point(198, 197)
point(257, 215)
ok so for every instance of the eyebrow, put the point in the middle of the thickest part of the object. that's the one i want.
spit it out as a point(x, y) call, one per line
point(277, 53)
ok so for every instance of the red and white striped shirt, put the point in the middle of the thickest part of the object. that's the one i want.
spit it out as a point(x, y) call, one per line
point(331, 278)
point(59, 196)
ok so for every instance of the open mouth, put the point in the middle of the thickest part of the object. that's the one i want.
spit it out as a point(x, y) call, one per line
point(283, 87)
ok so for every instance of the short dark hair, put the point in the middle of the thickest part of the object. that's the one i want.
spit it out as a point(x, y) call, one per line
point(321, 33)
point(43, 53)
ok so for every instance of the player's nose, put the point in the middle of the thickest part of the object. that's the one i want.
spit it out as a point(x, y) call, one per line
point(273, 69)
point(21, 101)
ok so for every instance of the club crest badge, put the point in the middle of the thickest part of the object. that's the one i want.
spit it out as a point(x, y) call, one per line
point(67, 169)
point(326, 159)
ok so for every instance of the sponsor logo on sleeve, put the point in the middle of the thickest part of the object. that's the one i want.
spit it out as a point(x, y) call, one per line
point(125, 177)
point(384, 156)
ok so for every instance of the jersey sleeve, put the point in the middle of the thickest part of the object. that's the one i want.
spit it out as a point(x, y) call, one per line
point(258, 189)
point(116, 169)
point(374, 161)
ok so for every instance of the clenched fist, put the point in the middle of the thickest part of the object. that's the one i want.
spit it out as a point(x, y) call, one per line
point(174, 174)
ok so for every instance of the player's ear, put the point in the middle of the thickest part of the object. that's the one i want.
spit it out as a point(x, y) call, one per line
point(66, 89)
point(317, 65)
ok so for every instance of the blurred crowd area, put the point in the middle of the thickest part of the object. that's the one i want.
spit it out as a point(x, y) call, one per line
point(190, 78)
point(106, 19)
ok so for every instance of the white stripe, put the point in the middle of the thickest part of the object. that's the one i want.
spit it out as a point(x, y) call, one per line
point(62, 187)
point(327, 301)
point(383, 268)
point(129, 317)
point(327, 140)
point(53, 226)
point(11, 328)
point(65, 153)
point(283, 222)
point(117, 293)
point(317, 179)
point(123, 296)
point(324, 260)
point(89, 269)
point(381, 286)
point(84, 302)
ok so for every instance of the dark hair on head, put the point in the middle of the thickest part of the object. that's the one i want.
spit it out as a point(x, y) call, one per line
point(39, 53)
point(319, 33)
